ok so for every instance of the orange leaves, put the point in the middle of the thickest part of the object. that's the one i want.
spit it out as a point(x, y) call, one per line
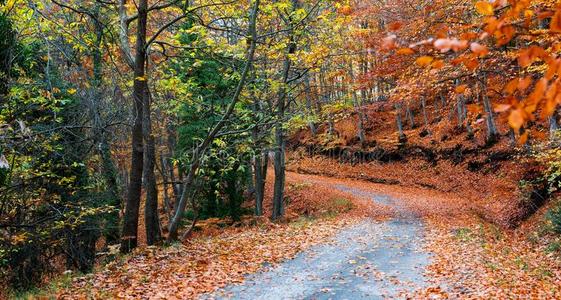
point(504, 35)
point(445, 45)
point(502, 108)
point(554, 67)
point(517, 118)
point(437, 64)
point(527, 56)
point(345, 10)
point(484, 8)
point(555, 25)
point(460, 89)
point(424, 61)
point(405, 51)
point(471, 64)
point(479, 49)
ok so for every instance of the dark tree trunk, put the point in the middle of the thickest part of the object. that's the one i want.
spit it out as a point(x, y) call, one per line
point(130, 224)
point(259, 179)
point(151, 217)
point(278, 192)
point(490, 119)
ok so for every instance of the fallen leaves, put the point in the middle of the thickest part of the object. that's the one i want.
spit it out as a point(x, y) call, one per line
point(480, 261)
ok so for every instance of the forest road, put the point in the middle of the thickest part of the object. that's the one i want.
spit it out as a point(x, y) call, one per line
point(369, 260)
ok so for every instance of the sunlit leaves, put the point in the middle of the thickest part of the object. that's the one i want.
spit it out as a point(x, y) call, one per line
point(484, 8)
point(424, 60)
point(516, 119)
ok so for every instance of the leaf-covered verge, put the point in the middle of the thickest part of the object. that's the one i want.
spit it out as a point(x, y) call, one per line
point(474, 259)
point(220, 253)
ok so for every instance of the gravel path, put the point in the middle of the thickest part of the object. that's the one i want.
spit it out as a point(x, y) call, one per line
point(370, 260)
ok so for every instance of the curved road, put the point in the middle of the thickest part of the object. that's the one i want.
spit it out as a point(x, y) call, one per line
point(370, 260)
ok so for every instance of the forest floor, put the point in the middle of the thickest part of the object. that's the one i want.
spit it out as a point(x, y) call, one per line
point(343, 239)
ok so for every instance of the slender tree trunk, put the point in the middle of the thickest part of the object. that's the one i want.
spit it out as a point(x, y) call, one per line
point(309, 108)
point(130, 223)
point(409, 116)
point(258, 176)
point(490, 120)
point(553, 126)
point(151, 217)
point(401, 138)
point(424, 107)
point(111, 230)
point(357, 106)
point(202, 147)
point(278, 192)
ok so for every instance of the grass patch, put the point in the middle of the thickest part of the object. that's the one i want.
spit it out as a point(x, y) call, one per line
point(46, 292)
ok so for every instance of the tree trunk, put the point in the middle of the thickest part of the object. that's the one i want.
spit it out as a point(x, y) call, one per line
point(130, 223)
point(490, 120)
point(553, 127)
point(401, 138)
point(278, 192)
point(202, 147)
point(409, 116)
point(424, 107)
point(309, 107)
point(151, 217)
point(111, 230)
point(357, 106)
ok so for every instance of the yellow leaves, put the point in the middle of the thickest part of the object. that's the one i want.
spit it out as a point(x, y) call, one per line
point(405, 51)
point(140, 78)
point(424, 61)
point(555, 24)
point(9, 5)
point(484, 8)
point(479, 49)
point(71, 91)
